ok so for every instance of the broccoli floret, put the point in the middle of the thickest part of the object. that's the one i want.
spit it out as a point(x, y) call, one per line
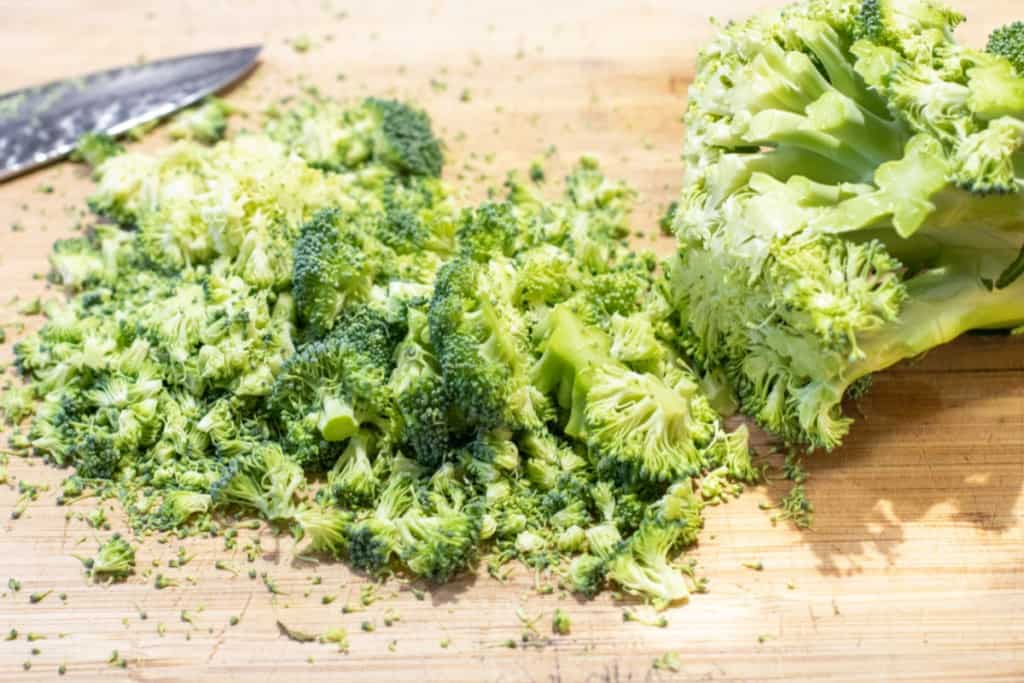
point(437, 546)
point(180, 506)
point(489, 230)
point(114, 561)
point(95, 148)
point(895, 21)
point(326, 529)
point(421, 398)
point(635, 420)
point(336, 265)
point(340, 381)
point(850, 199)
point(405, 140)
point(74, 263)
point(385, 132)
point(375, 540)
point(642, 566)
point(206, 123)
point(417, 217)
point(263, 480)
point(352, 481)
point(481, 345)
point(1008, 42)
point(586, 575)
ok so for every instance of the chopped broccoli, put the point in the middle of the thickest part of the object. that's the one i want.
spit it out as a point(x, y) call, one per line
point(384, 132)
point(206, 123)
point(481, 344)
point(114, 561)
point(95, 148)
point(307, 327)
point(1008, 42)
point(654, 429)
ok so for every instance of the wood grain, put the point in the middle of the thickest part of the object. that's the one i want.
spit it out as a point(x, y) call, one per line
point(912, 571)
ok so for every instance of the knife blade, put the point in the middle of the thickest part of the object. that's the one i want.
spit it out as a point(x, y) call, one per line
point(42, 123)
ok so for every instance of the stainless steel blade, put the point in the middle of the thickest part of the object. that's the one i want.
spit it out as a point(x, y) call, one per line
point(42, 123)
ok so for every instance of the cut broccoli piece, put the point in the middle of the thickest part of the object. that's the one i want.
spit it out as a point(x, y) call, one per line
point(1008, 41)
point(114, 561)
point(336, 384)
point(95, 148)
point(481, 345)
point(336, 265)
point(384, 132)
point(653, 429)
point(422, 400)
point(438, 546)
point(206, 123)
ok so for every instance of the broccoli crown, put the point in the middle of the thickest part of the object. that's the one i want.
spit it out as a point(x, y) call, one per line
point(1008, 41)
point(848, 202)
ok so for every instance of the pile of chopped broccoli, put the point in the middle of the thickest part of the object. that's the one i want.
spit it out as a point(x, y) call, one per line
point(301, 326)
point(852, 198)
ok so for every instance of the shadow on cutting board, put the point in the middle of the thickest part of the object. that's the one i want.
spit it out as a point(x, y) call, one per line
point(941, 438)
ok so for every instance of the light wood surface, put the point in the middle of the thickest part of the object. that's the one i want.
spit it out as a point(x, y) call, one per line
point(912, 570)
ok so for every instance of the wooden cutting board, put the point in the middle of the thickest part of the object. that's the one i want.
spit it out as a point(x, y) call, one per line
point(912, 570)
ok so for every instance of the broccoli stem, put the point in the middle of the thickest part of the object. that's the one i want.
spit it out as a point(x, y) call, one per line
point(943, 305)
point(337, 420)
point(734, 170)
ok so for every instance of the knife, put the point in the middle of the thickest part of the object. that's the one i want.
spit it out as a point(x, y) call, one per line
point(41, 124)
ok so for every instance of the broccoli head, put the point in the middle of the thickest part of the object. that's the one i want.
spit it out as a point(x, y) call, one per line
point(850, 200)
